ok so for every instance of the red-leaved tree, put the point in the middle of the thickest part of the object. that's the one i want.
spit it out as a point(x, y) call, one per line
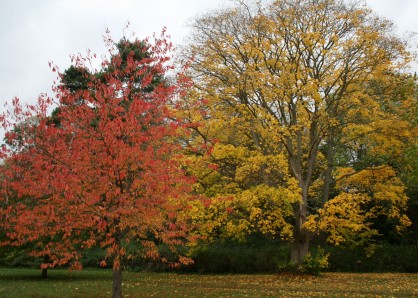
point(104, 169)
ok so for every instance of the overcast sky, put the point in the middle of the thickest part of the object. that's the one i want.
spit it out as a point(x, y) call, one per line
point(35, 32)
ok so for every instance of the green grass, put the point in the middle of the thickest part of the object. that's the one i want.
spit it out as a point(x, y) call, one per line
point(98, 283)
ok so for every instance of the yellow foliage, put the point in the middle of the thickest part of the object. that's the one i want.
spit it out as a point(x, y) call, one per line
point(284, 82)
point(364, 195)
point(344, 220)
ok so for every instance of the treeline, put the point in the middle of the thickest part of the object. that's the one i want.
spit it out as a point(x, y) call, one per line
point(283, 138)
point(262, 256)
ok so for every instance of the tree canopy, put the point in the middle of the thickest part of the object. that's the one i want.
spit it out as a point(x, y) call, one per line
point(106, 172)
point(307, 81)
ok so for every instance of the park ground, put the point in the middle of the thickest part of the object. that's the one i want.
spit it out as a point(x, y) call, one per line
point(97, 283)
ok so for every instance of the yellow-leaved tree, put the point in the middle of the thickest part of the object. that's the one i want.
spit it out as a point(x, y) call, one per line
point(289, 88)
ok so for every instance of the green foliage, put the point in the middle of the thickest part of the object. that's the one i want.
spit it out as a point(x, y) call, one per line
point(17, 257)
point(166, 261)
point(239, 258)
point(273, 257)
point(315, 261)
point(92, 257)
point(132, 50)
point(386, 258)
point(76, 78)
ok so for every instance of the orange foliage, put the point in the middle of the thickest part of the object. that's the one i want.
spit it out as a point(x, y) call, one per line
point(108, 173)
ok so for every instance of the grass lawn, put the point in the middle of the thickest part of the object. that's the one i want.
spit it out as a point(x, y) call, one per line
point(98, 283)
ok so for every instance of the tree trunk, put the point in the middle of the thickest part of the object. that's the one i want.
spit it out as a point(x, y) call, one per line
point(327, 184)
point(117, 283)
point(44, 273)
point(328, 171)
point(300, 245)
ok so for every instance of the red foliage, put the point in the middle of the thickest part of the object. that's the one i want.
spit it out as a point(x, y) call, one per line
point(108, 174)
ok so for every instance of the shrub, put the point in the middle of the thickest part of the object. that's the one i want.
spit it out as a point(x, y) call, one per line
point(315, 261)
point(386, 257)
point(239, 258)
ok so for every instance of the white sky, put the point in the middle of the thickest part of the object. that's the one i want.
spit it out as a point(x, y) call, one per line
point(35, 32)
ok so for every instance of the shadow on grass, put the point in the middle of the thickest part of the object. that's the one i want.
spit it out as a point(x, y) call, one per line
point(20, 274)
